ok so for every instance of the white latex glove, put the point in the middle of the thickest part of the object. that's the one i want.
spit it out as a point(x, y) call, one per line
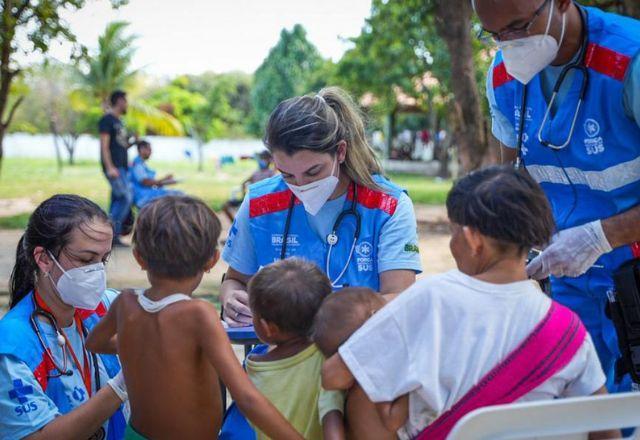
point(236, 309)
point(571, 252)
point(119, 387)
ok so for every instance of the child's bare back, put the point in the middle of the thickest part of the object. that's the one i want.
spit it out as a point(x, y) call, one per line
point(173, 353)
point(164, 348)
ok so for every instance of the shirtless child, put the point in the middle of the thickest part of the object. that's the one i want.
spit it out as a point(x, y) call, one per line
point(173, 349)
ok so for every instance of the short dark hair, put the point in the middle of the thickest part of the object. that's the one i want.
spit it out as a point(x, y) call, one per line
point(341, 314)
point(176, 236)
point(504, 204)
point(117, 94)
point(143, 144)
point(288, 293)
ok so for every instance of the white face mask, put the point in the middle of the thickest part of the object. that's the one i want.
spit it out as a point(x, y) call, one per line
point(524, 58)
point(315, 194)
point(82, 287)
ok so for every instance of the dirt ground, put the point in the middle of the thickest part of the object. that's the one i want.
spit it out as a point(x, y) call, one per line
point(122, 271)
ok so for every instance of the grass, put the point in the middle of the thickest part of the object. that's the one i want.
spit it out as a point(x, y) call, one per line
point(38, 179)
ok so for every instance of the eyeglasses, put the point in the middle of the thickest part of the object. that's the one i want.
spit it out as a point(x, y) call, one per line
point(512, 33)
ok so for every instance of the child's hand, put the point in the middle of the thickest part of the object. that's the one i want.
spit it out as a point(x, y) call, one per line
point(333, 426)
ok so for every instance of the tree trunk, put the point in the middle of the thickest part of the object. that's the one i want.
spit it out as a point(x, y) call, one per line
point(70, 141)
point(56, 138)
point(390, 125)
point(1, 145)
point(632, 8)
point(200, 155)
point(454, 27)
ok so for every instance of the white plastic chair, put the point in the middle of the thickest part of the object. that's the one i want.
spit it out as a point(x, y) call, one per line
point(566, 419)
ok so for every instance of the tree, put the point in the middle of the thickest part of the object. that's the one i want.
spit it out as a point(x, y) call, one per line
point(404, 49)
point(453, 21)
point(40, 22)
point(208, 106)
point(286, 72)
point(189, 108)
point(109, 69)
point(53, 85)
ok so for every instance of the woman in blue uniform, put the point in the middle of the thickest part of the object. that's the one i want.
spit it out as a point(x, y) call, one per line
point(51, 387)
point(329, 204)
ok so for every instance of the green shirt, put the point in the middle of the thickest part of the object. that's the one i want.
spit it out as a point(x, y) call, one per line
point(293, 385)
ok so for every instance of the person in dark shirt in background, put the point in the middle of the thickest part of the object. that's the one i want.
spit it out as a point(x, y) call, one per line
point(114, 144)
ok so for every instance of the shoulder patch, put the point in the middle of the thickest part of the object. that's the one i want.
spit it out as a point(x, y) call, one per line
point(374, 199)
point(270, 203)
point(607, 62)
point(500, 75)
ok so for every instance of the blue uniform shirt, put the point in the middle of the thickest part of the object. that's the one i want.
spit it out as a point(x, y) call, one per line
point(24, 406)
point(393, 254)
point(142, 194)
point(505, 132)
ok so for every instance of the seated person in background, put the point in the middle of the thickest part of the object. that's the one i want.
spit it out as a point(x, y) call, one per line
point(145, 185)
point(264, 171)
point(284, 298)
point(480, 335)
point(173, 349)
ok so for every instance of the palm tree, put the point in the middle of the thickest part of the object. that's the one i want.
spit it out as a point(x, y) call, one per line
point(109, 69)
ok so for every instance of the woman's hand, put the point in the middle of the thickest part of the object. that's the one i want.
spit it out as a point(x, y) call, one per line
point(235, 299)
point(236, 308)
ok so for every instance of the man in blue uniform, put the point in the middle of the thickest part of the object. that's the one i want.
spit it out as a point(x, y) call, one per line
point(564, 93)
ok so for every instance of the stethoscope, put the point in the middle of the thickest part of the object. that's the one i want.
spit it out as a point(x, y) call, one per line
point(332, 238)
point(578, 65)
point(39, 312)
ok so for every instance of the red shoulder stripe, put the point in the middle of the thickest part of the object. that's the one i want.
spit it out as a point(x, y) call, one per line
point(270, 203)
point(500, 75)
point(374, 199)
point(635, 249)
point(606, 61)
point(42, 371)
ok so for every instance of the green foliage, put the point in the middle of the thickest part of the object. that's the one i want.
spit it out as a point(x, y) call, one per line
point(289, 70)
point(209, 105)
point(109, 68)
point(400, 52)
point(395, 47)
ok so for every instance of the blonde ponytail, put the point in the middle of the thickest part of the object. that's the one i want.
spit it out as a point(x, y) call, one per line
point(361, 162)
point(319, 122)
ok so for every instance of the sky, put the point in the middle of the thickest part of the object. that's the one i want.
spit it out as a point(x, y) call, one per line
point(194, 36)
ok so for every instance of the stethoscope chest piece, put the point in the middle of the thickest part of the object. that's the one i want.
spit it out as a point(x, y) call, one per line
point(332, 239)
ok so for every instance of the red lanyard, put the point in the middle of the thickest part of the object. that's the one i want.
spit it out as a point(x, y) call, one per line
point(86, 371)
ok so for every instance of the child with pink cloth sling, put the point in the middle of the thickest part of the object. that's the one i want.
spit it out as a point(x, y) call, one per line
point(477, 336)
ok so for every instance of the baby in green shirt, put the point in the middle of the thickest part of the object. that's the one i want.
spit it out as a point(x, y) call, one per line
point(284, 298)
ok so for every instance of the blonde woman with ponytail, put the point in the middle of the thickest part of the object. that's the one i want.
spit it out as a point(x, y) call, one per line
point(330, 204)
